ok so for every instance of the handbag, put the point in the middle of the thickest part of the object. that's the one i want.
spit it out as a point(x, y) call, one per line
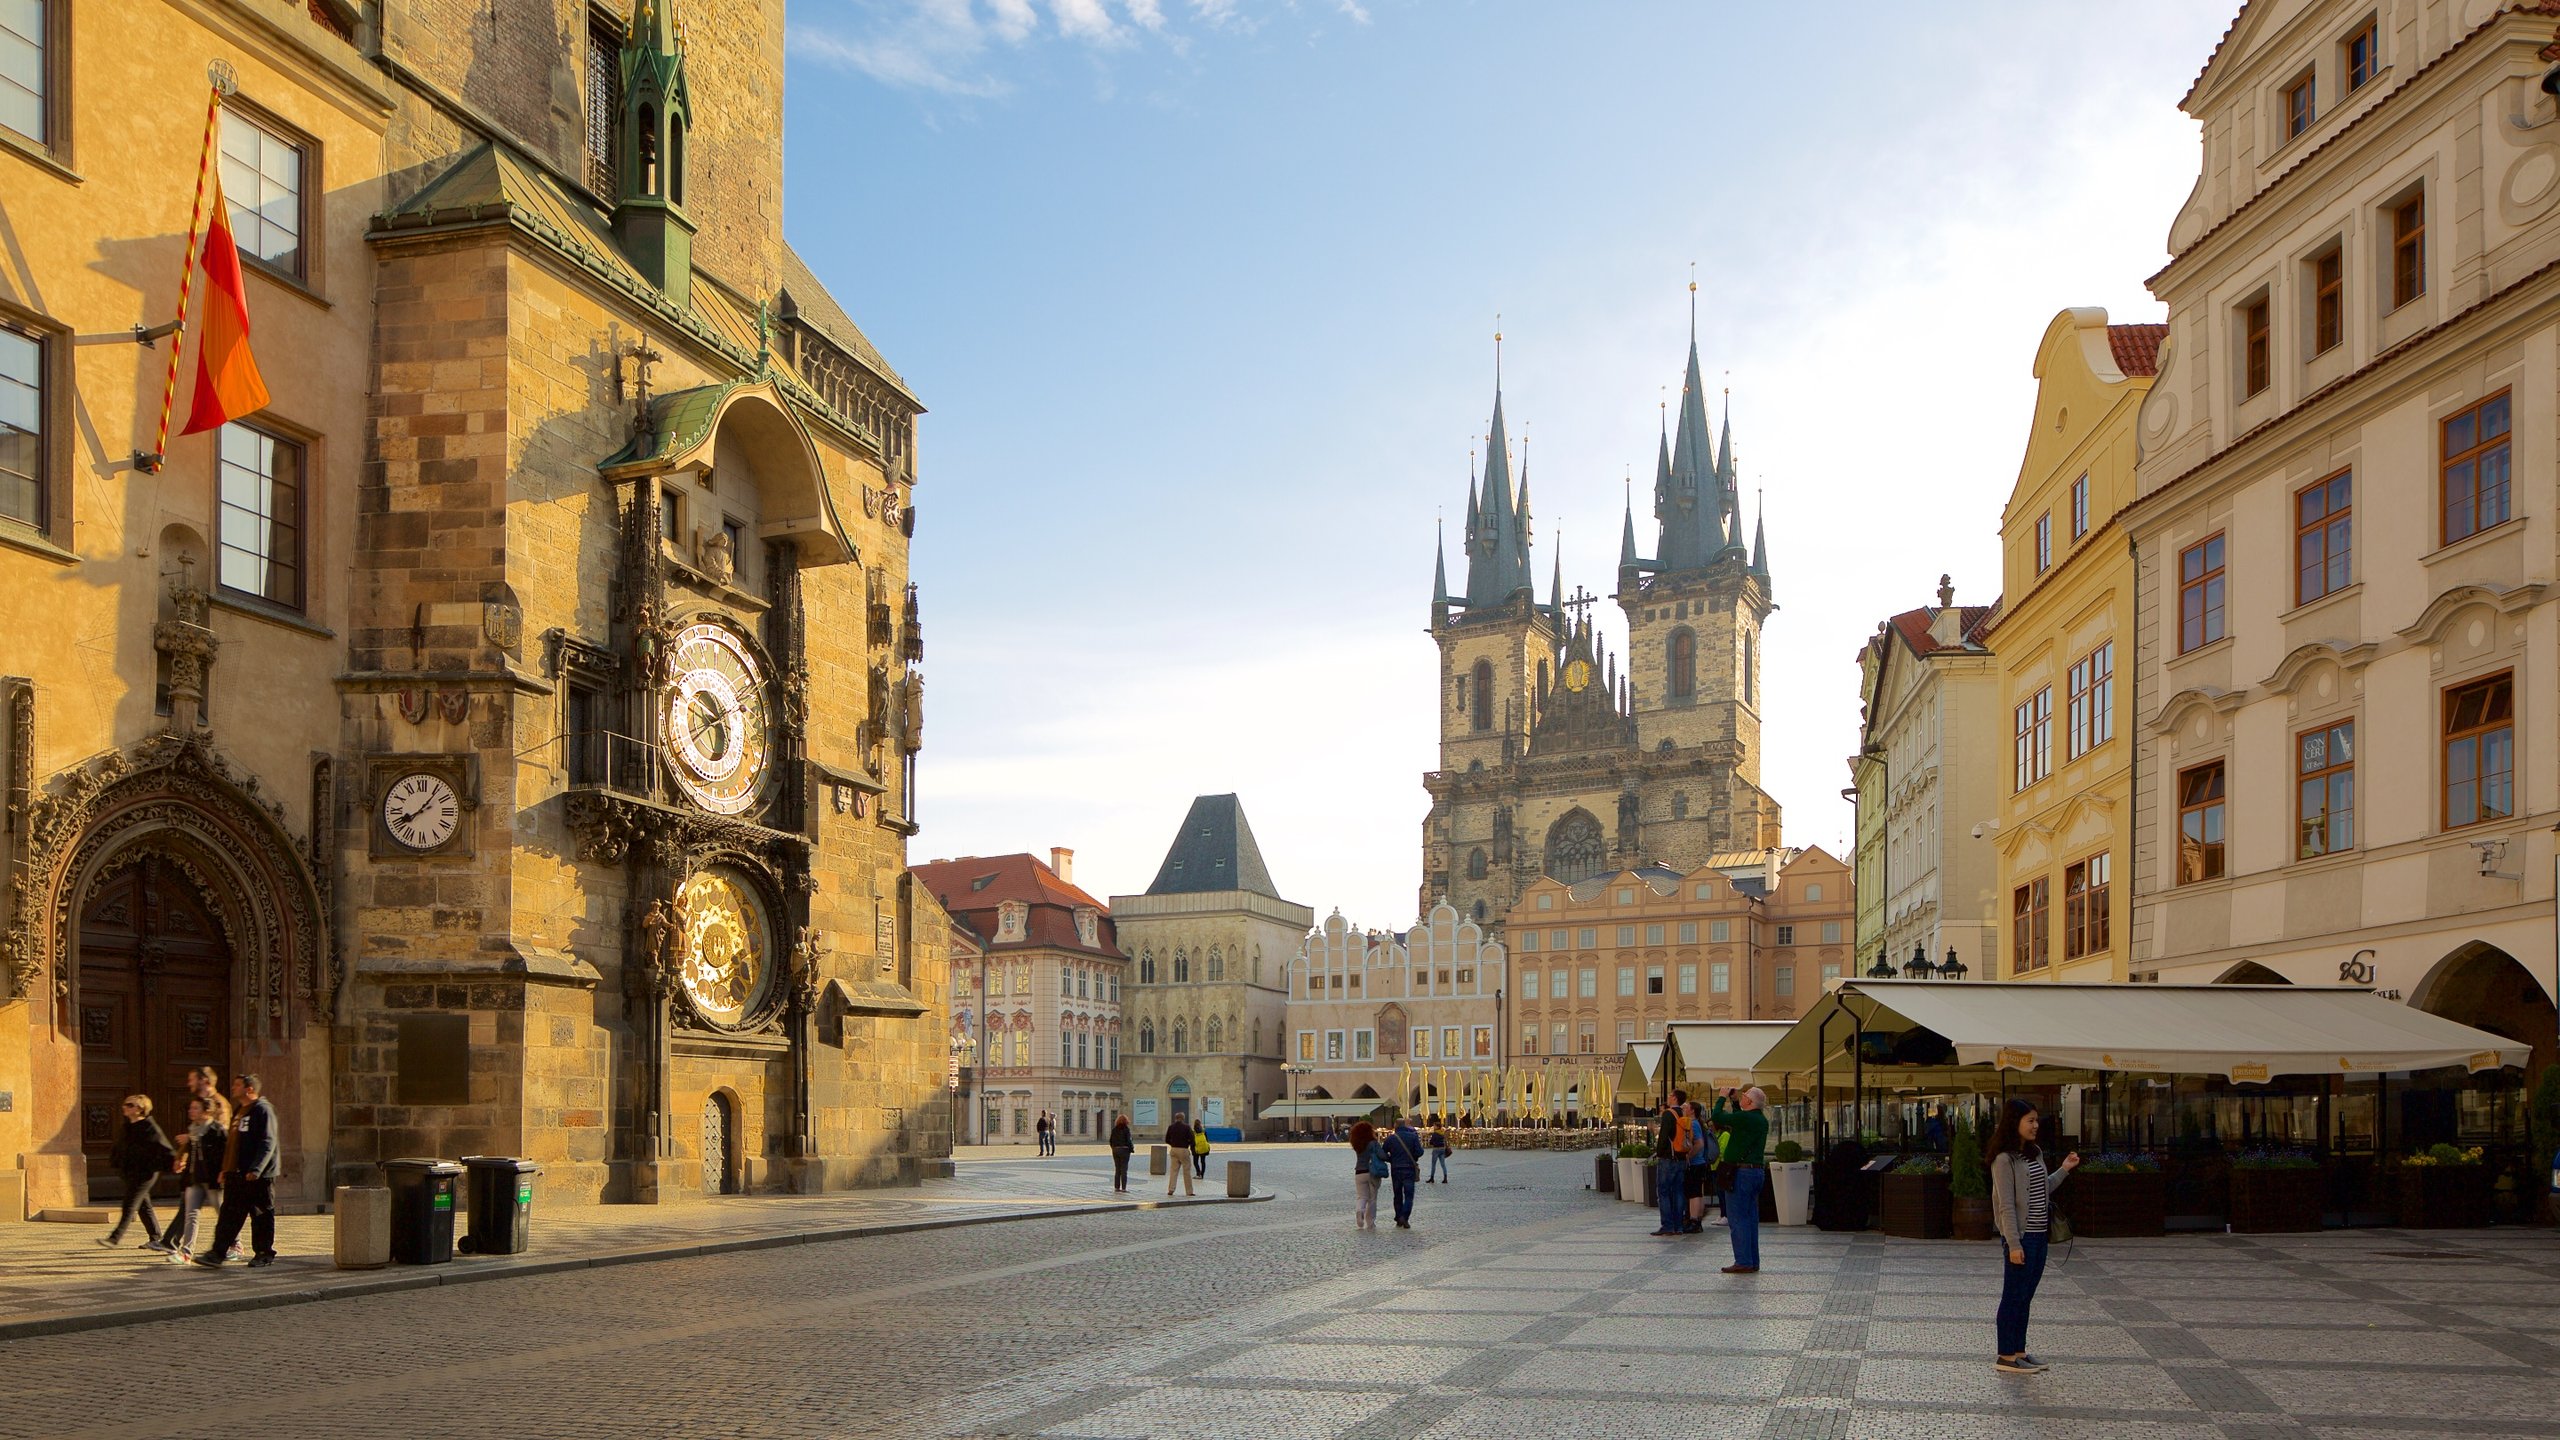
point(1378, 1165)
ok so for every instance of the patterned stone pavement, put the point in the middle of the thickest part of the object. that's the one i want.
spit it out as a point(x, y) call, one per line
point(55, 1275)
point(1520, 1305)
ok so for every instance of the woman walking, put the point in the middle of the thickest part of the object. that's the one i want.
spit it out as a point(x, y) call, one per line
point(2022, 1206)
point(200, 1148)
point(141, 1156)
point(1364, 1176)
point(1121, 1145)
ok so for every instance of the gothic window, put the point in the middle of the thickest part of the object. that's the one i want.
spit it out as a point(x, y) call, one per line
point(1146, 967)
point(1257, 1037)
point(1177, 1037)
point(1215, 1044)
point(1576, 848)
point(1181, 971)
point(1483, 696)
point(1146, 1037)
point(1679, 806)
point(1475, 865)
point(1684, 664)
point(1217, 965)
point(604, 102)
point(1750, 673)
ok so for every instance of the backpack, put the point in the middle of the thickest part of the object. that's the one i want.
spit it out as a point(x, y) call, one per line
point(1199, 1142)
point(1378, 1165)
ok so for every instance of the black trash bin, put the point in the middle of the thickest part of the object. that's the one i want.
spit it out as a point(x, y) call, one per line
point(422, 1193)
point(499, 1192)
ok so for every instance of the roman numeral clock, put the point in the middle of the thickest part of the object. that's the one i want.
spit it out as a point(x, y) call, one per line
point(421, 805)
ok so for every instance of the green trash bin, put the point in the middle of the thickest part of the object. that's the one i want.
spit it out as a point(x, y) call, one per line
point(498, 1191)
point(422, 1195)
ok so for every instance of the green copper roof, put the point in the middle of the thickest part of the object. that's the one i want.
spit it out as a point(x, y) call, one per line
point(678, 421)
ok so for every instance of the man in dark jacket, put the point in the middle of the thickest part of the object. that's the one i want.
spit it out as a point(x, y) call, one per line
point(1404, 1168)
point(1177, 1144)
point(251, 1160)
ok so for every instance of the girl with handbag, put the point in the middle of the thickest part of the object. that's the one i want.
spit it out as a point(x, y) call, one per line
point(1368, 1168)
point(2022, 1207)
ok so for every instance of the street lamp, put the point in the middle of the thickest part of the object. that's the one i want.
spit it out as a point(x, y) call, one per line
point(1918, 966)
point(1953, 969)
point(1883, 971)
point(1293, 1072)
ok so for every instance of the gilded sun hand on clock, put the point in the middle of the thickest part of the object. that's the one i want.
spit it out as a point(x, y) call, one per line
point(718, 727)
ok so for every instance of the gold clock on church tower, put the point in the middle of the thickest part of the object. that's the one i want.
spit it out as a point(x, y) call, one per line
point(719, 728)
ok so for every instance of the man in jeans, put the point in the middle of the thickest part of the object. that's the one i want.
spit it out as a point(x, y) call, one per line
point(1671, 1144)
point(250, 1164)
point(1746, 1152)
point(1404, 1167)
point(1177, 1145)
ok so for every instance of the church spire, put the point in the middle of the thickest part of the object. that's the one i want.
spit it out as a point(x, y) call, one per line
point(1440, 571)
point(1628, 560)
point(649, 218)
point(1760, 538)
point(1691, 518)
point(1498, 564)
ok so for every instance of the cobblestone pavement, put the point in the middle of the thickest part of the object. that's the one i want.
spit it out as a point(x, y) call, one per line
point(1521, 1305)
point(51, 1273)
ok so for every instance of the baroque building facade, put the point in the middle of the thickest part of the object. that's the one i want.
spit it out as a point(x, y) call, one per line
point(1554, 760)
point(1929, 762)
point(1209, 944)
point(1365, 1004)
point(2347, 582)
point(1038, 1005)
point(517, 747)
point(2065, 624)
point(1607, 961)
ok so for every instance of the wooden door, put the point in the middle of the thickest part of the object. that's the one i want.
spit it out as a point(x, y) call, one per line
point(154, 1003)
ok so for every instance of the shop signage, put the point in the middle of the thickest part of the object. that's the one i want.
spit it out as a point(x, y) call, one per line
point(2249, 1074)
point(2015, 1059)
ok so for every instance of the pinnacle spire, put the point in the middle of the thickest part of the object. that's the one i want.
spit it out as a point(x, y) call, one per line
point(1627, 557)
point(1760, 536)
point(1439, 572)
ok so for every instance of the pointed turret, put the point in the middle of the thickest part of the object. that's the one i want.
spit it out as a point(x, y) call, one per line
point(1760, 543)
point(1439, 577)
point(1520, 524)
point(649, 217)
point(1727, 486)
point(1555, 586)
point(1497, 555)
point(1628, 560)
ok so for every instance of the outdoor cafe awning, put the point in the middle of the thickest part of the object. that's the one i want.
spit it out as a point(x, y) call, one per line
point(1720, 1054)
point(1637, 1077)
point(2246, 1032)
point(1319, 1109)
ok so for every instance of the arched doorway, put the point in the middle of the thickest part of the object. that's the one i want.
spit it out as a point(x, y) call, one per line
point(1178, 1093)
point(2483, 986)
point(719, 1144)
point(154, 1000)
point(2250, 972)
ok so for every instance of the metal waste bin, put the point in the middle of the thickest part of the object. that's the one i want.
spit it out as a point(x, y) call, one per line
point(498, 1189)
point(422, 1192)
point(1604, 1173)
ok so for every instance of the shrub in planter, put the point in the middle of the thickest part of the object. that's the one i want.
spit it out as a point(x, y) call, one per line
point(1790, 1189)
point(2444, 1187)
point(2118, 1194)
point(1968, 1181)
point(2277, 1191)
point(1915, 1199)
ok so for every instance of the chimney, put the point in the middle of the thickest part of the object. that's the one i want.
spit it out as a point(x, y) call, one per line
point(1947, 625)
point(1769, 872)
point(1063, 861)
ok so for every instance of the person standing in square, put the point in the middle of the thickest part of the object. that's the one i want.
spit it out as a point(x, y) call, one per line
point(1742, 1116)
point(251, 1161)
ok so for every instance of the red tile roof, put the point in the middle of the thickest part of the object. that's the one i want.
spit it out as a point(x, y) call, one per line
point(1914, 626)
point(974, 887)
point(2137, 347)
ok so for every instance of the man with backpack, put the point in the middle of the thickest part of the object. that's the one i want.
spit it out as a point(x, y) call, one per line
point(1678, 1142)
point(1404, 1167)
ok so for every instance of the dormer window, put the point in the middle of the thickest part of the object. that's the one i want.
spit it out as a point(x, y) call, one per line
point(1088, 927)
point(1010, 919)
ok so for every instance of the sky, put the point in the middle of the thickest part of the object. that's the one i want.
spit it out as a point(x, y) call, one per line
point(1201, 296)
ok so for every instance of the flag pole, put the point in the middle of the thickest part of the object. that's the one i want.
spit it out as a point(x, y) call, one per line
point(187, 273)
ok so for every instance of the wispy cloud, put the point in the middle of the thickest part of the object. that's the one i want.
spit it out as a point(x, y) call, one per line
point(957, 47)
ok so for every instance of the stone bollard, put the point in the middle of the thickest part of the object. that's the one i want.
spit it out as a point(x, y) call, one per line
point(364, 1227)
point(1239, 1179)
point(1155, 1159)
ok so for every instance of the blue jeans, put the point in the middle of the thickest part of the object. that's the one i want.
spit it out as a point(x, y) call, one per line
point(1742, 1214)
point(2018, 1291)
point(1439, 1164)
point(1404, 1181)
point(1670, 1187)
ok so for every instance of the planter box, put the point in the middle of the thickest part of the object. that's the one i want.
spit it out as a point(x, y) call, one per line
point(1973, 1218)
point(1917, 1207)
point(2276, 1202)
point(2124, 1204)
point(2444, 1197)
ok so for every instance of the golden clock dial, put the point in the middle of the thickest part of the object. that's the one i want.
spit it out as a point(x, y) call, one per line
point(724, 946)
point(1577, 675)
point(719, 732)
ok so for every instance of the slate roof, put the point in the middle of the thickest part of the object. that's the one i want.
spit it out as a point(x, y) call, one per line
point(808, 298)
point(1214, 852)
point(974, 888)
point(2137, 347)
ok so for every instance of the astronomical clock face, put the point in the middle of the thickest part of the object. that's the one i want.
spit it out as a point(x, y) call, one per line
point(725, 950)
point(718, 731)
point(1577, 675)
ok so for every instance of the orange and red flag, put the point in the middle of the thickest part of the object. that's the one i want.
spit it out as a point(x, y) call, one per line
point(228, 384)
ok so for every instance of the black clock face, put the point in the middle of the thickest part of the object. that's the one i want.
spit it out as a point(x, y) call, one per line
point(718, 727)
point(420, 811)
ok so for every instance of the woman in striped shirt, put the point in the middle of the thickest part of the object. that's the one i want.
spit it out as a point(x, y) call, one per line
point(2022, 1206)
